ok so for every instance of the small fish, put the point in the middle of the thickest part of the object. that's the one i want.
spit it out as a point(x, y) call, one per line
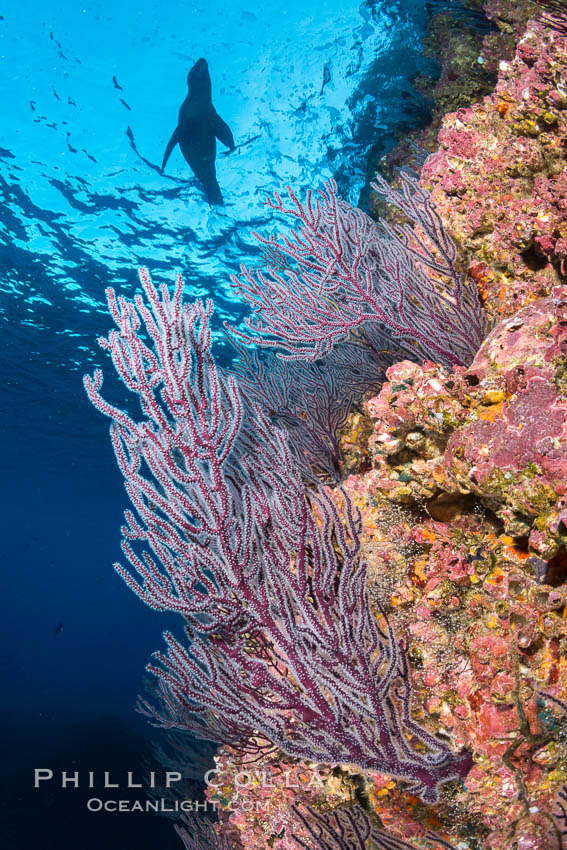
point(117, 84)
point(58, 629)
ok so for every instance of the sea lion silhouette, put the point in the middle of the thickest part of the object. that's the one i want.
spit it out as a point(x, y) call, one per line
point(196, 130)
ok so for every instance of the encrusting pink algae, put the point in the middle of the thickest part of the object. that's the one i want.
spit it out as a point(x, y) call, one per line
point(464, 526)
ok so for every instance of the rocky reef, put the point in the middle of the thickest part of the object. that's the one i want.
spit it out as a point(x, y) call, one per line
point(461, 475)
point(255, 801)
point(497, 430)
point(499, 177)
point(465, 529)
point(467, 43)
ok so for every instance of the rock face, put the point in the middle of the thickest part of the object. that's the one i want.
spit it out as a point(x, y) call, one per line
point(464, 505)
point(465, 526)
point(512, 448)
point(468, 57)
point(499, 178)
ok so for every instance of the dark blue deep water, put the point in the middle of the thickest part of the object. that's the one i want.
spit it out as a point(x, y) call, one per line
point(90, 93)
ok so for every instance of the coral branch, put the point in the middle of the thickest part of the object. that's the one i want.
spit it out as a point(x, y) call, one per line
point(348, 829)
point(200, 834)
point(553, 14)
point(311, 401)
point(342, 829)
point(340, 271)
point(560, 814)
point(283, 648)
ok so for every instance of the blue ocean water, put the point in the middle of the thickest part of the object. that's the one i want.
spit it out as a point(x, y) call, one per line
point(90, 94)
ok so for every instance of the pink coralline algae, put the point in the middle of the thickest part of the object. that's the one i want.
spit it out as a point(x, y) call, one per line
point(499, 178)
point(255, 800)
point(413, 416)
point(464, 529)
point(497, 430)
point(512, 448)
point(487, 647)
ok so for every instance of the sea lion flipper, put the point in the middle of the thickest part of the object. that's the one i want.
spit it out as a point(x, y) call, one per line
point(213, 193)
point(170, 145)
point(223, 132)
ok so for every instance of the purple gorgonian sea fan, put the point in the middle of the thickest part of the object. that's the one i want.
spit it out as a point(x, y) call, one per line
point(349, 829)
point(178, 752)
point(198, 833)
point(342, 829)
point(340, 273)
point(553, 13)
point(560, 814)
point(311, 401)
point(281, 649)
